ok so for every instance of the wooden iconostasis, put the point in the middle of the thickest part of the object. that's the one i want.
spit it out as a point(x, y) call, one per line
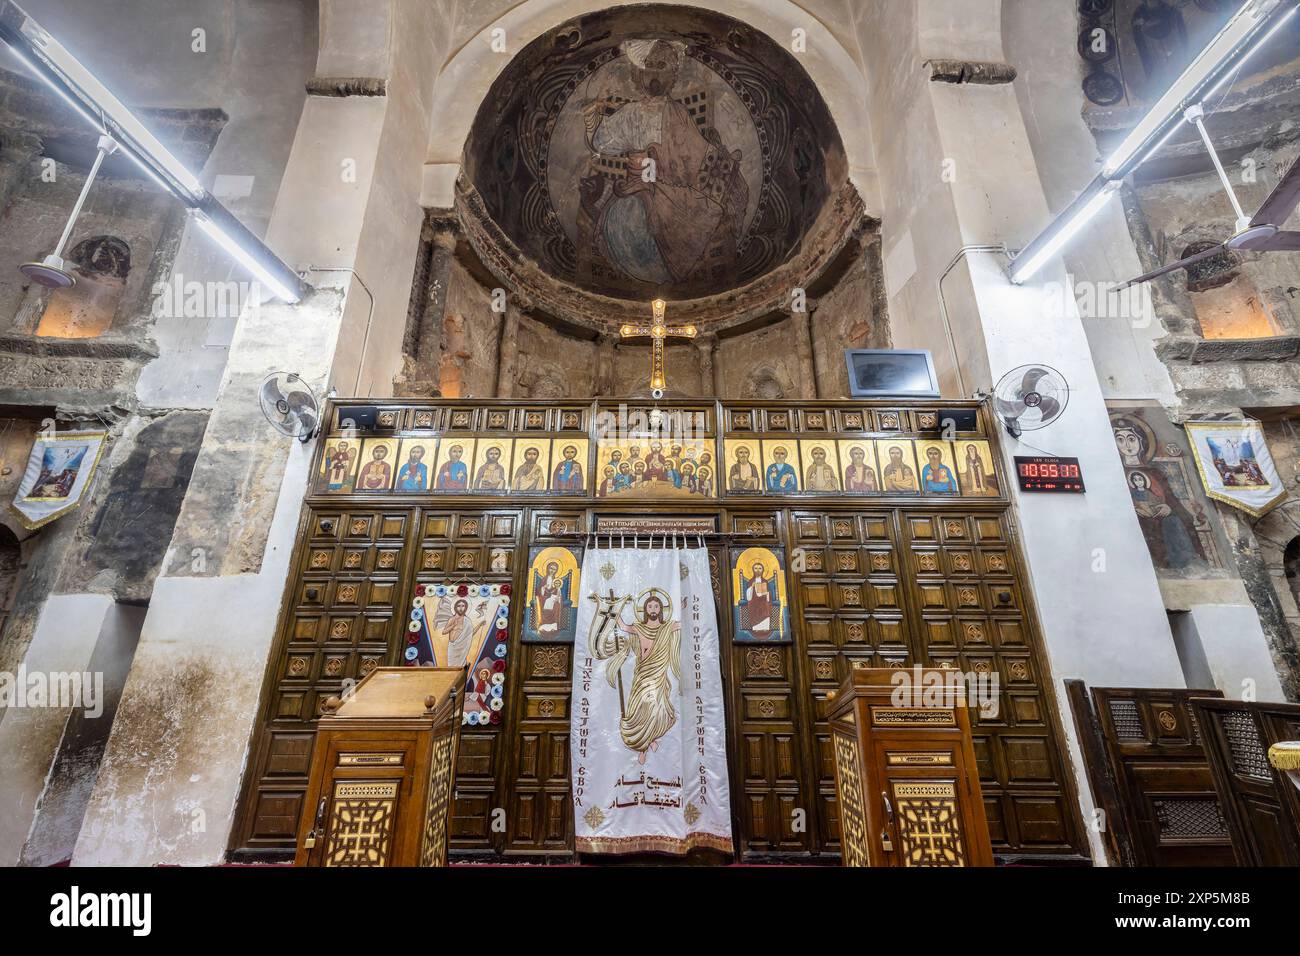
point(867, 573)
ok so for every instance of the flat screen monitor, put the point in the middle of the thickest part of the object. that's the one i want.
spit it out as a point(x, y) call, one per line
point(891, 373)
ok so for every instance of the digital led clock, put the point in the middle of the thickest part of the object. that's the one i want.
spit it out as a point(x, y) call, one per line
point(1049, 473)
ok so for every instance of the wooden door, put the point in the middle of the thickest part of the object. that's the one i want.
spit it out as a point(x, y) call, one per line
point(1171, 813)
point(928, 805)
point(1261, 804)
point(362, 812)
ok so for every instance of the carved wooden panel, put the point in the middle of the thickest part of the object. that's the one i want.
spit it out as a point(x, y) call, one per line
point(972, 616)
point(433, 845)
point(362, 814)
point(1169, 813)
point(853, 816)
point(540, 815)
point(356, 571)
point(853, 616)
point(888, 587)
point(336, 630)
point(928, 830)
point(770, 790)
point(1261, 804)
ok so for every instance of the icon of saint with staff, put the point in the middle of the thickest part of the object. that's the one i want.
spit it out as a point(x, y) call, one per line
point(653, 640)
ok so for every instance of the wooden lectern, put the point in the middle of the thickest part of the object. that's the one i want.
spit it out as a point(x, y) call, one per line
point(905, 773)
point(382, 771)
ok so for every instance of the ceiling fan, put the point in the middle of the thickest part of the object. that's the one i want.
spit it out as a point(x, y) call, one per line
point(1257, 233)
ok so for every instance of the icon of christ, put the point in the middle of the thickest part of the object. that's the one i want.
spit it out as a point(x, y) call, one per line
point(681, 194)
point(759, 606)
point(653, 640)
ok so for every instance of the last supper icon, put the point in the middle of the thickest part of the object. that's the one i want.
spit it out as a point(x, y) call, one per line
point(760, 611)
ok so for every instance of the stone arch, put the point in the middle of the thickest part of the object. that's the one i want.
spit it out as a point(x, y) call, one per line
point(466, 78)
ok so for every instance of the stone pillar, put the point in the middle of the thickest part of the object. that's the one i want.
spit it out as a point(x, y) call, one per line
point(708, 346)
point(807, 360)
point(423, 342)
point(605, 343)
point(508, 352)
point(190, 702)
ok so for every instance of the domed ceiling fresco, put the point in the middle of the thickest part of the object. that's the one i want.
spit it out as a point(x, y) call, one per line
point(655, 151)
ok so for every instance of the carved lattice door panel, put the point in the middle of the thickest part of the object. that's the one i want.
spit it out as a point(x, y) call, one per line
point(1168, 806)
point(972, 615)
point(342, 602)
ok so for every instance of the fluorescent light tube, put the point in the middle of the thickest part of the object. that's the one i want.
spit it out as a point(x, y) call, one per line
point(1065, 230)
point(246, 258)
point(1251, 52)
point(1188, 85)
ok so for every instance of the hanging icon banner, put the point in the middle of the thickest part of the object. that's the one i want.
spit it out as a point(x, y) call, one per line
point(1235, 465)
point(58, 474)
point(648, 742)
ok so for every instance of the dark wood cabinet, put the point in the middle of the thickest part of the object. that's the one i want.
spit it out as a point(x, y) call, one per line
point(905, 770)
point(1261, 804)
point(380, 787)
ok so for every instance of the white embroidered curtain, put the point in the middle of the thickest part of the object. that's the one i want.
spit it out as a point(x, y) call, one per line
point(648, 738)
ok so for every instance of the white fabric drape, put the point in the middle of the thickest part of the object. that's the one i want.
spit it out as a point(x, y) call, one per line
point(648, 737)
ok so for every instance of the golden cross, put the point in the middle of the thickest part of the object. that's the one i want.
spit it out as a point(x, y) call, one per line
point(657, 332)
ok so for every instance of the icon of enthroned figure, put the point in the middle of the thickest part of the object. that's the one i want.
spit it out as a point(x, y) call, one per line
point(663, 197)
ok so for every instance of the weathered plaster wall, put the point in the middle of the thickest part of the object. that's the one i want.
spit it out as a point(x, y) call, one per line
point(64, 641)
point(852, 315)
point(471, 332)
point(192, 695)
point(120, 543)
point(72, 776)
point(554, 365)
point(1151, 347)
point(762, 364)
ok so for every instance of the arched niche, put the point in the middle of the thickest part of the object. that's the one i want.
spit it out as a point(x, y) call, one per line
point(465, 80)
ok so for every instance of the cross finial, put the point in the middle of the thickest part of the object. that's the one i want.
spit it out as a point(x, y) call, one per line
point(657, 332)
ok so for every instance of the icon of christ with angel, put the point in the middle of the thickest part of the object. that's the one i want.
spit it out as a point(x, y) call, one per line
point(653, 640)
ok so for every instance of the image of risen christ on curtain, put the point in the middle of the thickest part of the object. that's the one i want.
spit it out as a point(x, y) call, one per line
point(681, 193)
point(654, 640)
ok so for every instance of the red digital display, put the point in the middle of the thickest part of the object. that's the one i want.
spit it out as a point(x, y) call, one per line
point(1049, 473)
